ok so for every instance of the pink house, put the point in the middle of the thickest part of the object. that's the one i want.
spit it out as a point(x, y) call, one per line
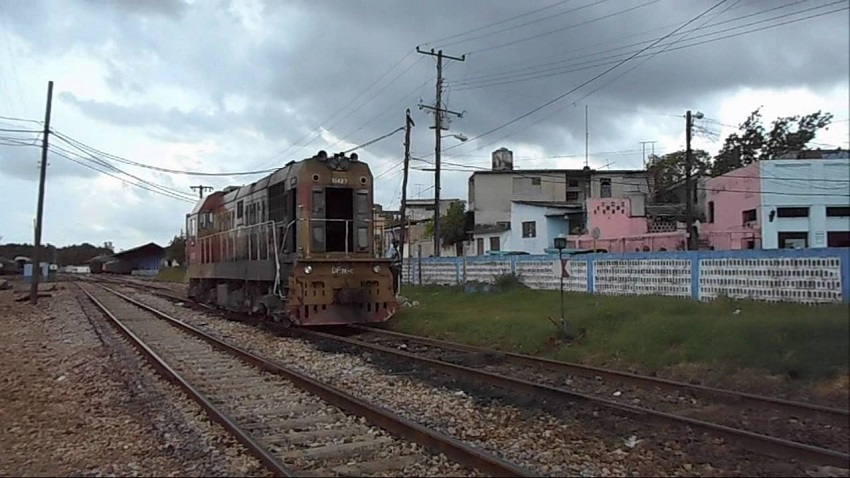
point(733, 202)
point(623, 227)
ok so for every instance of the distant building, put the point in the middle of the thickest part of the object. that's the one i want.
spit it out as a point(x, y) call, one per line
point(781, 203)
point(559, 197)
point(142, 260)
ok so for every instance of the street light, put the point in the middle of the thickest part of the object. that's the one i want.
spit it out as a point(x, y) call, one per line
point(459, 136)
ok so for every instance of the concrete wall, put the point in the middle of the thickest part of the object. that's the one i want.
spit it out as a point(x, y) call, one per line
point(792, 275)
point(816, 183)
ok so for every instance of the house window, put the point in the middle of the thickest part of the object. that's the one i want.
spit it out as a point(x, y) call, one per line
point(479, 245)
point(605, 188)
point(837, 211)
point(239, 209)
point(793, 240)
point(573, 183)
point(494, 243)
point(747, 216)
point(838, 239)
point(711, 211)
point(535, 181)
point(792, 212)
point(529, 229)
point(572, 196)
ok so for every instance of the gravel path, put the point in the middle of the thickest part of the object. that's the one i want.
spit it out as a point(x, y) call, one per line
point(76, 401)
point(576, 441)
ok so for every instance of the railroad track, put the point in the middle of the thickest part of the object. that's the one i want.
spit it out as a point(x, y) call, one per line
point(294, 425)
point(547, 378)
point(757, 423)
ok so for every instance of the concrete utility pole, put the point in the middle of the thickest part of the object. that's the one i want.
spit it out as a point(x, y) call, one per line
point(407, 126)
point(201, 188)
point(438, 127)
point(643, 147)
point(586, 139)
point(693, 240)
point(36, 254)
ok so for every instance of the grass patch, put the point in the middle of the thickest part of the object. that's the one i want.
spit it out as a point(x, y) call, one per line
point(643, 333)
point(172, 274)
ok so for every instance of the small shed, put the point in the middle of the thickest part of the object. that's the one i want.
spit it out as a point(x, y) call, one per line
point(145, 260)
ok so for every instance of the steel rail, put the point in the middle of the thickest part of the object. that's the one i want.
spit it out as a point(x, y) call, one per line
point(383, 418)
point(636, 379)
point(244, 437)
point(770, 446)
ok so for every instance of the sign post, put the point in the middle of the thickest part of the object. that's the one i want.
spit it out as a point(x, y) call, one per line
point(561, 244)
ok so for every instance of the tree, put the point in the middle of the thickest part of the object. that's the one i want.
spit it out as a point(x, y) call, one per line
point(176, 250)
point(752, 143)
point(453, 227)
point(670, 169)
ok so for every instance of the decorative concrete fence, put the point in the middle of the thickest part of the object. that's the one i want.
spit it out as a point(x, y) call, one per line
point(789, 275)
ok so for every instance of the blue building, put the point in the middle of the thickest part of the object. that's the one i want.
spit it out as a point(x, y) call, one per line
point(142, 260)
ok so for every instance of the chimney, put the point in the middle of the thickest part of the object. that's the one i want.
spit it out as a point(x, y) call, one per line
point(503, 160)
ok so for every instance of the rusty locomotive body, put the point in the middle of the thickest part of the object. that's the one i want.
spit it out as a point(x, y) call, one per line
point(297, 246)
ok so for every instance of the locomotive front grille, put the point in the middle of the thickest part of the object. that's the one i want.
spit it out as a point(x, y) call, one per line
point(350, 296)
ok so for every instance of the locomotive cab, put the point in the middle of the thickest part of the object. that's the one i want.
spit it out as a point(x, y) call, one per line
point(338, 278)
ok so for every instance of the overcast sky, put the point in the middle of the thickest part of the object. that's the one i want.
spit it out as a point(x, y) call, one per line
point(228, 86)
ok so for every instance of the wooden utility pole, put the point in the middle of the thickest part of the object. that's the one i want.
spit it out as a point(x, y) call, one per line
point(201, 188)
point(408, 124)
point(689, 202)
point(438, 128)
point(36, 254)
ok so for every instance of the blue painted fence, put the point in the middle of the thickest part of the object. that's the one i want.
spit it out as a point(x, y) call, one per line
point(796, 275)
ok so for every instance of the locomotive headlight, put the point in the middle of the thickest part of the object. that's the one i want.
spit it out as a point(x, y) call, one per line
point(308, 269)
point(376, 269)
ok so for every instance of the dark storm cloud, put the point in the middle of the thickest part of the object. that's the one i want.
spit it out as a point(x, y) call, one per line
point(314, 57)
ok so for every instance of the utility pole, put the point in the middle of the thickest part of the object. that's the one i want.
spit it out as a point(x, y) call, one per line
point(586, 138)
point(407, 126)
point(693, 240)
point(201, 188)
point(438, 128)
point(643, 147)
point(36, 254)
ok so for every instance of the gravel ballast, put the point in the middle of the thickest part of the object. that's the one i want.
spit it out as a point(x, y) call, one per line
point(574, 441)
point(78, 401)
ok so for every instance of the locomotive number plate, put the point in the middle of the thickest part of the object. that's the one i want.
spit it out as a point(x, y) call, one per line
point(339, 270)
point(339, 180)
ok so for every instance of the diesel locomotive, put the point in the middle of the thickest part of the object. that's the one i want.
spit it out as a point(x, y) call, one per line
point(296, 247)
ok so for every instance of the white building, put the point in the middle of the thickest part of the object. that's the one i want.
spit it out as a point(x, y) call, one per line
point(805, 202)
point(532, 229)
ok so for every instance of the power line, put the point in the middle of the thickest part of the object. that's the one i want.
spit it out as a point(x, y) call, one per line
point(329, 118)
point(94, 159)
point(484, 27)
point(485, 35)
point(505, 78)
point(568, 27)
point(615, 66)
point(84, 147)
point(83, 164)
point(525, 68)
point(544, 105)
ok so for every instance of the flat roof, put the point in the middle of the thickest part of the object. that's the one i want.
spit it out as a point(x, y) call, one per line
point(149, 247)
